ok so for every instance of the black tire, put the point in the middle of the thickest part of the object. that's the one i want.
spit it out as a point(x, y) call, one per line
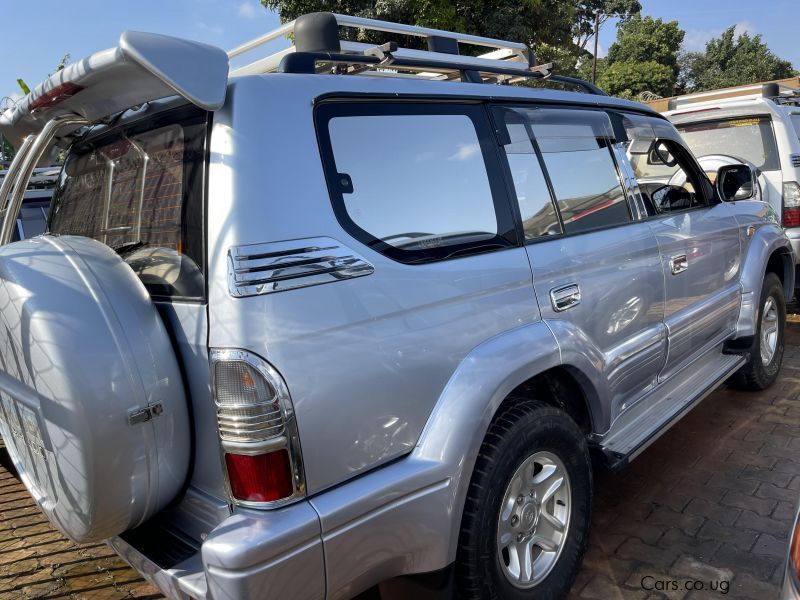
point(516, 434)
point(755, 375)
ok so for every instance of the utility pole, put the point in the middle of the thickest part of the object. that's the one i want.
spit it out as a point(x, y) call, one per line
point(596, 35)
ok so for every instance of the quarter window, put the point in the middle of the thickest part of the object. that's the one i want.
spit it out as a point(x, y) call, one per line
point(412, 185)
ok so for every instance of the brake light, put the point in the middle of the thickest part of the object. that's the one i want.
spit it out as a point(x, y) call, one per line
point(56, 95)
point(791, 204)
point(260, 478)
point(257, 430)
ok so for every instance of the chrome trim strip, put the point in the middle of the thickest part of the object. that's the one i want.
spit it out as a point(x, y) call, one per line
point(258, 269)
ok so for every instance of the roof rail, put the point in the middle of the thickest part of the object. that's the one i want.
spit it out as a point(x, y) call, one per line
point(781, 91)
point(318, 48)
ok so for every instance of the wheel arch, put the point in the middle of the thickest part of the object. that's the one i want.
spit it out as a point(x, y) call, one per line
point(514, 366)
point(769, 251)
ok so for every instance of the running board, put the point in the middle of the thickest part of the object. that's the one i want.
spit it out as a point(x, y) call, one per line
point(642, 424)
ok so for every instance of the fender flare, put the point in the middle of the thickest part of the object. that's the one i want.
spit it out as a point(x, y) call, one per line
point(766, 240)
point(461, 417)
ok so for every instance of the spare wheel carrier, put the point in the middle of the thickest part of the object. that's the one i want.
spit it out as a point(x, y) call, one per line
point(93, 412)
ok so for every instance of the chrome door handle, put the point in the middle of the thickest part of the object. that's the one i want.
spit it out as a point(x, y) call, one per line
point(565, 297)
point(678, 264)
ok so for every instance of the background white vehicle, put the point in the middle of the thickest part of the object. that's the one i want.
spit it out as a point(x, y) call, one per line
point(756, 124)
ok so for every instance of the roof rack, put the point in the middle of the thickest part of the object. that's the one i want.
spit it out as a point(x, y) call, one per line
point(318, 48)
point(782, 91)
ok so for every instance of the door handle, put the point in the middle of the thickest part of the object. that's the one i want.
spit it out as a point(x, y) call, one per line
point(565, 297)
point(678, 264)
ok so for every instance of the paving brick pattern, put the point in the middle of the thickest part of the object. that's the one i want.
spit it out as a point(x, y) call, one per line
point(36, 561)
point(711, 502)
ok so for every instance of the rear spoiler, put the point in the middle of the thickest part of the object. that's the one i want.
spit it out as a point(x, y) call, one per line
point(142, 68)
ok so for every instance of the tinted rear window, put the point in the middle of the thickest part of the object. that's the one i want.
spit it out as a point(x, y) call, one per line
point(745, 138)
point(139, 190)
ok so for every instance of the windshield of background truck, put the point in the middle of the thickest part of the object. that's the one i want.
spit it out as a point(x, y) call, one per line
point(749, 139)
point(796, 123)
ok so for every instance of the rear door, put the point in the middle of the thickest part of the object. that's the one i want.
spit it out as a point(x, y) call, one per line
point(596, 270)
point(698, 237)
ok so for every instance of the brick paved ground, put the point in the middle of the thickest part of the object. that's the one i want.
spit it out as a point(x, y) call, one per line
point(38, 562)
point(712, 500)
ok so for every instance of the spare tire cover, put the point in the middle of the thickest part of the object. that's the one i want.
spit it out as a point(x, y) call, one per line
point(94, 413)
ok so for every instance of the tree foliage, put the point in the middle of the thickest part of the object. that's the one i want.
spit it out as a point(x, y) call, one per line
point(732, 60)
point(643, 58)
point(546, 25)
point(646, 55)
point(587, 10)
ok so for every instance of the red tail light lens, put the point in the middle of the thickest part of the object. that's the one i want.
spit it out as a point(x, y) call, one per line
point(791, 204)
point(260, 478)
point(791, 217)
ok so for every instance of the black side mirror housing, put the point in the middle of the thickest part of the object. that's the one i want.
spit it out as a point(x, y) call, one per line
point(737, 182)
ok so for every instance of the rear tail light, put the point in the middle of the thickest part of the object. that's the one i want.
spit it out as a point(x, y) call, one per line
point(791, 204)
point(257, 430)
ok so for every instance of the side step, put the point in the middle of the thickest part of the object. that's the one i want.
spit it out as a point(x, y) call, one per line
point(648, 419)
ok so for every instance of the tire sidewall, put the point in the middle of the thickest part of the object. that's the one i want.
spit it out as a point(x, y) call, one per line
point(771, 288)
point(549, 430)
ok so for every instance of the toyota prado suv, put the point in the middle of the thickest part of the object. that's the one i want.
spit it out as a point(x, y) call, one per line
point(355, 315)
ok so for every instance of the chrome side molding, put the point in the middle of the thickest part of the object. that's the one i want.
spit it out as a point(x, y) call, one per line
point(258, 269)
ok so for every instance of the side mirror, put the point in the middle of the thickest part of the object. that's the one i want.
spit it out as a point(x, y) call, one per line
point(737, 182)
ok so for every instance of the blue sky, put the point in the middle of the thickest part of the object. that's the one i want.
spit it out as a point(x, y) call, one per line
point(35, 35)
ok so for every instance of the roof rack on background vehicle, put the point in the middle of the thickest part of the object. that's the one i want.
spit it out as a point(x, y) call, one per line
point(782, 91)
point(318, 48)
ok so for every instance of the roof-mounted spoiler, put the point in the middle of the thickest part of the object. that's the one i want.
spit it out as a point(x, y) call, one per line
point(143, 67)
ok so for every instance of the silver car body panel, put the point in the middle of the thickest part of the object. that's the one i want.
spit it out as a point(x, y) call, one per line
point(396, 377)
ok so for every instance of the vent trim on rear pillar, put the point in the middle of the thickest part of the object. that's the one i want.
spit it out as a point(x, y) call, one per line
point(257, 269)
point(795, 160)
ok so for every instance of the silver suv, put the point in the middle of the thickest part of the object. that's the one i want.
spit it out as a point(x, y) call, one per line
point(359, 314)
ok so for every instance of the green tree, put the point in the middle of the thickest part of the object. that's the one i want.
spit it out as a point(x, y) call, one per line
point(644, 58)
point(546, 25)
point(732, 60)
point(588, 10)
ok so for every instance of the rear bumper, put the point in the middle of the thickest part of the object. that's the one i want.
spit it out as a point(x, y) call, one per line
point(252, 554)
point(396, 520)
point(793, 234)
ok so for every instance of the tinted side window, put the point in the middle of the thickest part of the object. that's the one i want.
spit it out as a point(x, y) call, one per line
point(411, 181)
point(576, 150)
point(536, 206)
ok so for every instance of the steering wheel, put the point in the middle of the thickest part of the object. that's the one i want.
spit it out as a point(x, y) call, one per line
point(671, 197)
